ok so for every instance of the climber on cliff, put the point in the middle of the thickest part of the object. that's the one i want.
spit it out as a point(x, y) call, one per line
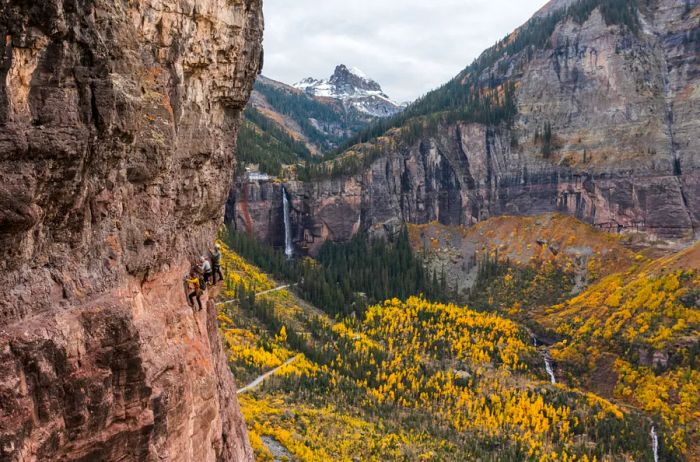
point(194, 287)
point(216, 263)
point(206, 272)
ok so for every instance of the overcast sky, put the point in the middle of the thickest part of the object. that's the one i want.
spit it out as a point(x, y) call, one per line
point(408, 46)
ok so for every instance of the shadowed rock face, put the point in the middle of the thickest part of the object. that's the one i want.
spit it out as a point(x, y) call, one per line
point(624, 109)
point(117, 129)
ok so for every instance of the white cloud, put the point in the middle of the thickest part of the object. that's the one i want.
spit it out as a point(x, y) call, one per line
point(409, 46)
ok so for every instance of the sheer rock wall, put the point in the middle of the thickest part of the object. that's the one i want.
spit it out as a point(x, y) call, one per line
point(118, 122)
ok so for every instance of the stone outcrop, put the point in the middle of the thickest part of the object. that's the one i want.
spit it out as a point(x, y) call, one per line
point(117, 129)
point(624, 111)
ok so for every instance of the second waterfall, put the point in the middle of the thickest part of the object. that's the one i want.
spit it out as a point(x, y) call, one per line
point(288, 246)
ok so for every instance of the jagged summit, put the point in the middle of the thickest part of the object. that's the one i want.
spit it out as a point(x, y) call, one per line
point(353, 80)
point(354, 88)
point(345, 81)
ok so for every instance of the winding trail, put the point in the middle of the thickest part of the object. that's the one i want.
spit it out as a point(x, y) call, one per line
point(274, 290)
point(264, 292)
point(255, 383)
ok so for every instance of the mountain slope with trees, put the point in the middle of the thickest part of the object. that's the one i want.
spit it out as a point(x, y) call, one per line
point(285, 125)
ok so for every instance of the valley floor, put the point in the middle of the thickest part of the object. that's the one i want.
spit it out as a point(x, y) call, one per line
point(415, 380)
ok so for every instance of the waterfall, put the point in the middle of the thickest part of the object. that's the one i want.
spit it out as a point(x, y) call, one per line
point(654, 443)
point(547, 360)
point(288, 247)
point(549, 368)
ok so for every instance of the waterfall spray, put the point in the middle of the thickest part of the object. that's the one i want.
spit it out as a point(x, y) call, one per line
point(288, 247)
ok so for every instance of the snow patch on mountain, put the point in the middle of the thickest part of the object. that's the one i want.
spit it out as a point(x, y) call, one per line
point(358, 72)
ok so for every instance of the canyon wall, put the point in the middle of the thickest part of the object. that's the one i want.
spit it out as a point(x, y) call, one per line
point(624, 111)
point(118, 122)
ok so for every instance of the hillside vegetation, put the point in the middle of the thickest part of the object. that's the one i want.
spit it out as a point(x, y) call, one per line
point(311, 114)
point(624, 325)
point(285, 126)
point(514, 261)
point(261, 141)
point(635, 336)
point(418, 380)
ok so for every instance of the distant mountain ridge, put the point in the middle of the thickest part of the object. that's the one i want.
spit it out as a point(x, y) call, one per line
point(355, 89)
point(285, 124)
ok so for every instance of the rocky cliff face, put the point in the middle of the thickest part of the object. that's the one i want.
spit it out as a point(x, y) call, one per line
point(624, 112)
point(117, 129)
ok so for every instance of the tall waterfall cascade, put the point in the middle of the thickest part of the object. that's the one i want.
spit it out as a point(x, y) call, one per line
point(654, 443)
point(288, 246)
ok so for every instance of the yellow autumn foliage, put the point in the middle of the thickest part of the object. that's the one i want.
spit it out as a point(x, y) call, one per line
point(382, 387)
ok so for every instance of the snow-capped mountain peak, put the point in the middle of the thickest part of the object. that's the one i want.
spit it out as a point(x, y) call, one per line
point(354, 88)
